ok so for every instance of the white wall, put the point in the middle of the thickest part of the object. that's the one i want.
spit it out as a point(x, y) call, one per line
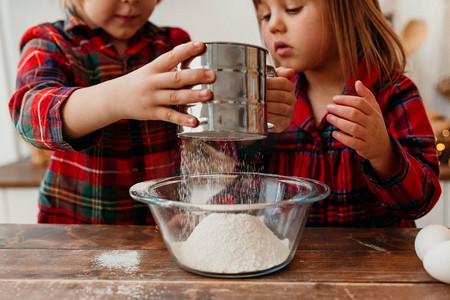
point(8, 149)
point(15, 17)
point(19, 206)
point(432, 60)
point(210, 20)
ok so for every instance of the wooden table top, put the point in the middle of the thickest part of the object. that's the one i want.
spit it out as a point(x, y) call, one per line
point(58, 262)
point(21, 174)
point(444, 172)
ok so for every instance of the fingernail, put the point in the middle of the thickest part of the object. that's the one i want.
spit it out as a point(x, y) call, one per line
point(209, 74)
point(197, 44)
point(204, 93)
point(330, 106)
point(191, 121)
point(337, 97)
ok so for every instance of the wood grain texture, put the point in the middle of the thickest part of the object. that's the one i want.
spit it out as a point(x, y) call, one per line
point(216, 289)
point(21, 174)
point(444, 172)
point(59, 261)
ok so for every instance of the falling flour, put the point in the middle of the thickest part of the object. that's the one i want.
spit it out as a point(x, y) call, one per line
point(119, 259)
point(231, 243)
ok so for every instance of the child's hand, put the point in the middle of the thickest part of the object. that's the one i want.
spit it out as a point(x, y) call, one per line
point(363, 129)
point(280, 99)
point(148, 93)
point(153, 91)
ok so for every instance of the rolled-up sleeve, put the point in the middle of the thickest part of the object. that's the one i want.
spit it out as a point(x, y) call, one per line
point(414, 189)
point(44, 83)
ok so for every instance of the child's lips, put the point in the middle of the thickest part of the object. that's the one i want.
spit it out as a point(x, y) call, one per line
point(127, 19)
point(282, 49)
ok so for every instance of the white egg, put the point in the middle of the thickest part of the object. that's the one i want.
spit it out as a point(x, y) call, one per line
point(429, 237)
point(437, 262)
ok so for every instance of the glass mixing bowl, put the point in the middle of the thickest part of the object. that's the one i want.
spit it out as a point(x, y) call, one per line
point(231, 225)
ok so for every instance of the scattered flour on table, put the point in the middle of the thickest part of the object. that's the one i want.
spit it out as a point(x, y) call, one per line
point(231, 243)
point(113, 291)
point(119, 259)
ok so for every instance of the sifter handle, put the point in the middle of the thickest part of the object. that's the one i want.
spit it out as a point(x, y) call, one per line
point(270, 72)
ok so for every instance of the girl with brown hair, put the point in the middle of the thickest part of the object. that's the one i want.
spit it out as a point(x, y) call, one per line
point(359, 124)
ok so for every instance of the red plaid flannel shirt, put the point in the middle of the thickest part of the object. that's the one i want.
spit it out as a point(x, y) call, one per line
point(357, 197)
point(88, 179)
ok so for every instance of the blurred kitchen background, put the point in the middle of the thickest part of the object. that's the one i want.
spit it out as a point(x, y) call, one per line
point(423, 25)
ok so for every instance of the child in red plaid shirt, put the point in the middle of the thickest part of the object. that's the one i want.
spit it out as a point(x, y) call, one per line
point(359, 124)
point(99, 89)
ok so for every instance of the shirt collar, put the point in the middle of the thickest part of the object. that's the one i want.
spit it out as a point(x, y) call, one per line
point(142, 38)
point(368, 75)
point(72, 21)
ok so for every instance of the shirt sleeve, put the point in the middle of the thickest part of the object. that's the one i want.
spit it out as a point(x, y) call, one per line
point(42, 87)
point(414, 189)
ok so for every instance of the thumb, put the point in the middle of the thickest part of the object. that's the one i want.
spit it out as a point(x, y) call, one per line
point(169, 60)
point(365, 93)
point(285, 72)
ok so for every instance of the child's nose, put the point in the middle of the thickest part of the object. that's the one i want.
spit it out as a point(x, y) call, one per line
point(276, 23)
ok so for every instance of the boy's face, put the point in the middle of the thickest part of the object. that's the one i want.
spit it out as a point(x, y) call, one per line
point(295, 33)
point(121, 19)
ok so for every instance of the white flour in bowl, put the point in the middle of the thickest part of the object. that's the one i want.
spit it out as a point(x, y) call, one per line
point(231, 243)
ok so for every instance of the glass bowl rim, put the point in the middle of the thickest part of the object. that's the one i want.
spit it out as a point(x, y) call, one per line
point(319, 191)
